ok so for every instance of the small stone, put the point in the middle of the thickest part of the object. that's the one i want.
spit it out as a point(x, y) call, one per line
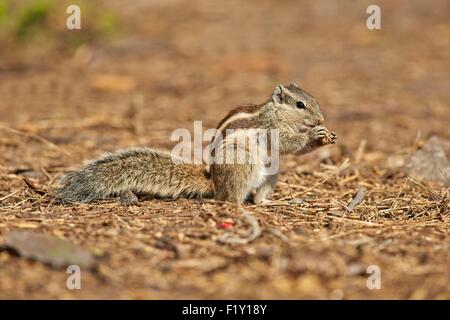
point(296, 201)
point(430, 162)
point(355, 269)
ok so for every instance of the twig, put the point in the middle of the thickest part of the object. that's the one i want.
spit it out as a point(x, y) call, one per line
point(360, 151)
point(398, 195)
point(45, 172)
point(37, 137)
point(443, 206)
point(366, 223)
point(343, 166)
point(422, 186)
point(9, 195)
point(32, 187)
point(4, 208)
point(444, 175)
point(229, 238)
point(278, 234)
point(357, 199)
point(167, 244)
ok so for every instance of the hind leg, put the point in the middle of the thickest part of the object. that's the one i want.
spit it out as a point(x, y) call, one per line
point(265, 189)
point(128, 198)
point(232, 183)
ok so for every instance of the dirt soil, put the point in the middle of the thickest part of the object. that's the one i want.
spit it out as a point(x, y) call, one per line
point(384, 92)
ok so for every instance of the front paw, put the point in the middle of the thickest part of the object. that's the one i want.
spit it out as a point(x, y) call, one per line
point(322, 136)
point(330, 138)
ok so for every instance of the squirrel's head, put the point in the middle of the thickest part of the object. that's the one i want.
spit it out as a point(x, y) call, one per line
point(297, 106)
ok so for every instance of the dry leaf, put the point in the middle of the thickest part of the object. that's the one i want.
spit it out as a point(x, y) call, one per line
point(55, 252)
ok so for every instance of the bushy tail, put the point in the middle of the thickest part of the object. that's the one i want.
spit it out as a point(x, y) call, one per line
point(140, 170)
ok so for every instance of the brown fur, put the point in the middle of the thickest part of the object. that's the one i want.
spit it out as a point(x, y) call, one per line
point(139, 170)
point(148, 171)
point(246, 108)
point(299, 133)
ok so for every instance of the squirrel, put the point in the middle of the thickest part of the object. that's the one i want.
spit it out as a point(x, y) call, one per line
point(290, 110)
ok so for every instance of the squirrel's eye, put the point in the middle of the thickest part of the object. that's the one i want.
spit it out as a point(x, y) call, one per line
point(300, 105)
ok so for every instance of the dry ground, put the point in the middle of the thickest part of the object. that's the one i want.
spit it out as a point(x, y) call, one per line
point(384, 93)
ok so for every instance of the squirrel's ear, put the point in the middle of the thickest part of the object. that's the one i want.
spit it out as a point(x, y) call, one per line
point(292, 84)
point(278, 94)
